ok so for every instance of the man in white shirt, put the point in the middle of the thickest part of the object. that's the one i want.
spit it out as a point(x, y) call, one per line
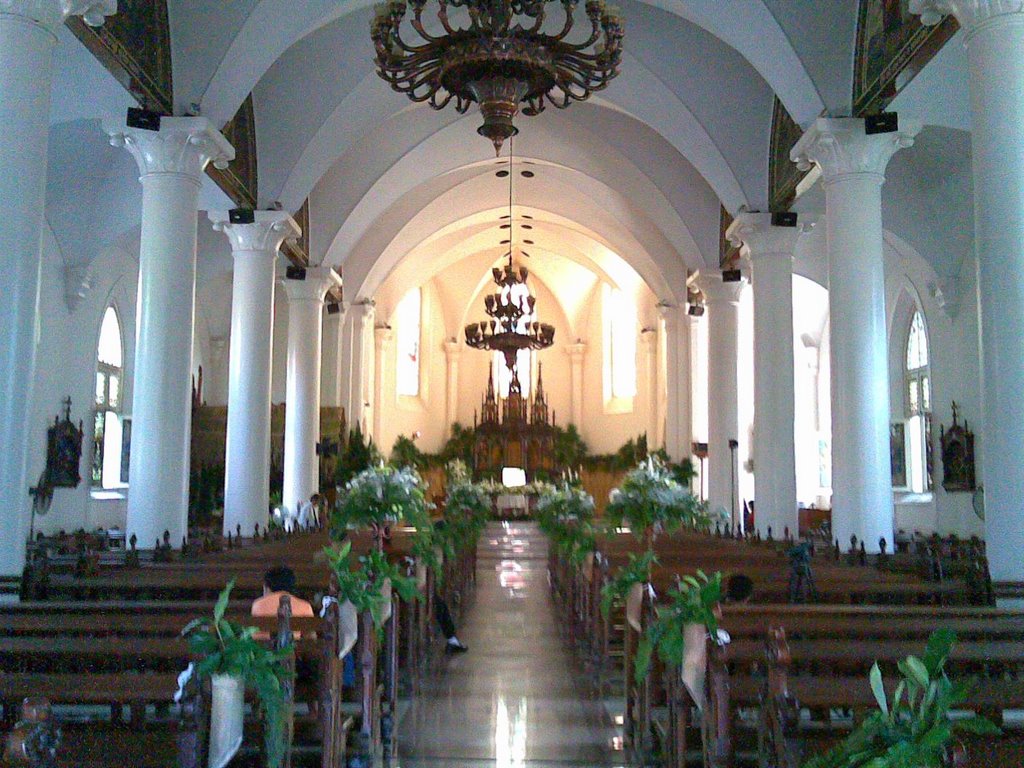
point(309, 513)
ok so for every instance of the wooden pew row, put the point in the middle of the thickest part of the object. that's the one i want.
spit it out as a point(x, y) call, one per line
point(81, 671)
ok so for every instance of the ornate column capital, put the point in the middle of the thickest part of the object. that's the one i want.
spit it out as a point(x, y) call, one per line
point(453, 348)
point(383, 336)
point(183, 146)
point(576, 351)
point(759, 238)
point(51, 13)
point(970, 13)
point(77, 284)
point(267, 233)
point(318, 281)
point(364, 311)
point(841, 149)
point(718, 292)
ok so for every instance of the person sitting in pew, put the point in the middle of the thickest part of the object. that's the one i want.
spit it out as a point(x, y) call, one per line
point(276, 582)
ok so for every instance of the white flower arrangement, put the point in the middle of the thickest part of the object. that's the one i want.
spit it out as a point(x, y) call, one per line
point(651, 499)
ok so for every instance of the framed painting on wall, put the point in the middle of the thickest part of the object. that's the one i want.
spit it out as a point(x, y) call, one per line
point(898, 453)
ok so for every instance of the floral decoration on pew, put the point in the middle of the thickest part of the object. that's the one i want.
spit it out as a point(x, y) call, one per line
point(365, 585)
point(693, 602)
point(231, 650)
point(376, 496)
point(566, 515)
point(651, 500)
point(637, 571)
point(914, 728)
point(467, 508)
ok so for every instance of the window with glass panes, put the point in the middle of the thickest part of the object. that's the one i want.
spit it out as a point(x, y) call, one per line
point(107, 470)
point(918, 404)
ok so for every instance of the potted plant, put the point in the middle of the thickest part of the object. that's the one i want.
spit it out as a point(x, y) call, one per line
point(566, 515)
point(680, 628)
point(637, 572)
point(368, 586)
point(651, 500)
point(913, 729)
point(234, 659)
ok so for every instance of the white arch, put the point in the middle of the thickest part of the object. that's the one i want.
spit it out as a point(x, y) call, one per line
point(273, 26)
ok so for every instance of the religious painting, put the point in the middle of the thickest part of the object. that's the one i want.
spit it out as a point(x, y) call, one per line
point(783, 175)
point(298, 251)
point(63, 451)
point(898, 454)
point(240, 178)
point(135, 46)
point(892, 47)
point(727, 252)
point(957, 456)
point(126, 448)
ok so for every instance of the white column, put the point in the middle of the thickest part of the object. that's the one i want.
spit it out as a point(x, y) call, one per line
point(362, 322)
point(649, 340)
point(247, 457)
point(452, 354)
point(722, 301)
point(384, 390)
point(853, 171)
point(330, 369)
point(171, 162)
point(302, 390)
point(770, 251)
point(576, 352)
point(678, 418)
point(994, 33)
point(28, 35)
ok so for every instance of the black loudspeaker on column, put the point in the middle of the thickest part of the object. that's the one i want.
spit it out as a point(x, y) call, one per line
point(143, 118)
point(295, 273)
point(883, 122)
point(731, 275)
point(241, 216)
point(784, 219)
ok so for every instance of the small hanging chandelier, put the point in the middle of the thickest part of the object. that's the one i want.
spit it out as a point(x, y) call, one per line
point(510, 308)
point(496, 61)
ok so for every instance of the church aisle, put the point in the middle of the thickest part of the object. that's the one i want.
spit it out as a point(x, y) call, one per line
point(517, 698)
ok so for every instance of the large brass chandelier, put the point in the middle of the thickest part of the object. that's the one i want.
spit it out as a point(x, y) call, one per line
point(501, 59)
point(510, 309)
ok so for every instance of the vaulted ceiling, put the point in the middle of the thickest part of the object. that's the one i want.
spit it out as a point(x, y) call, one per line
point(644, 169)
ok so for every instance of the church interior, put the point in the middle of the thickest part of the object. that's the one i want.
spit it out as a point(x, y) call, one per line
point(582, 385)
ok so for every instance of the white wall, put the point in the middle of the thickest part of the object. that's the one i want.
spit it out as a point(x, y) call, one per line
point(955, 375)
point(66, 366)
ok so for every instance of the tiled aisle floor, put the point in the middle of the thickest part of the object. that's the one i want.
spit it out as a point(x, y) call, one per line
point(517, 699)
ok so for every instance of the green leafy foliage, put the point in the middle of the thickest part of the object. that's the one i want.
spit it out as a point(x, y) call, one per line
point(378, 495)
point(638, 571)
point(913, 728)
point(466, 511)
point(359, 453)
point(694, 601)
point(227, 648)
point(651, 498)
point(565, 514)
point(405, 453)
point(569, 448)
point(363, 584)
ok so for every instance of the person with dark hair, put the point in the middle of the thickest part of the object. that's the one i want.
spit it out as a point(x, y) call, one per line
point(738, 588)
point(276, 582)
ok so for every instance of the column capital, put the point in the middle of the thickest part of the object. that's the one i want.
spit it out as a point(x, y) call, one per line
point(51, 13)
point(718, 292)
point(383, 336)
point(318, 281)
point(364, 310)
point(576, 351)
point(649, 338)
point(759, 238)
point(266, 233)
point(453, 348)
point(970, 13)
point(183, 146)
point(840, 148)
point(671, 312)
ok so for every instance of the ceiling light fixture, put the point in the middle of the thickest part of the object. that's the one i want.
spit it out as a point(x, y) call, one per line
point(512, 311)
point(500, 59)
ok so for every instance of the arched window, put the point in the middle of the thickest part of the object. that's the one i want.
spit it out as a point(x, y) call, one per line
point(620, 323)
point(108, 469)
point(408, 316)
point(918, 407)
